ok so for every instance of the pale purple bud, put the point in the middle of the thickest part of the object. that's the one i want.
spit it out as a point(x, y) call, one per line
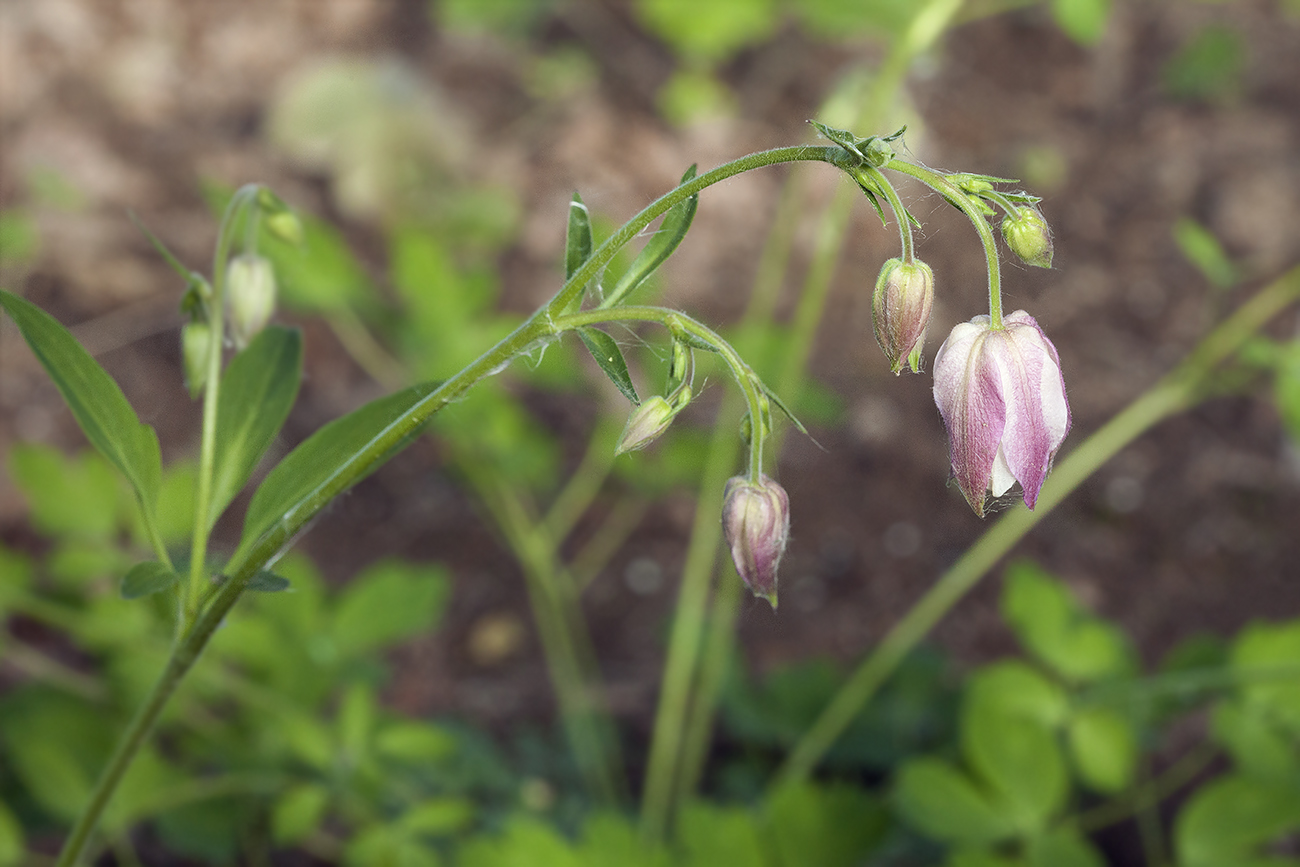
point(250, 296)
point(1029, 237)
point(645, 424)
point(900, 312)
point(756, 524)
point(1002, 398)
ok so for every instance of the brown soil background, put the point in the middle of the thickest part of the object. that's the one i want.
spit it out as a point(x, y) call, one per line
point(1195, 527)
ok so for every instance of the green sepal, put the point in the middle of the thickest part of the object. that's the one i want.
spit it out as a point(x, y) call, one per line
point(693, 341)
point(146, 578)
point(605, 350)
point(96, 401)
point(671, 231)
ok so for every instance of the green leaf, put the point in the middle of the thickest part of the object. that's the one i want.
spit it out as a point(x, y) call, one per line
point(780, 404)
point(1062, 849)
point(1286, 388)
point(1266, 657)
point(662, 243)
point(12, 845)
point(415, 742)
point(577, 240)
point(268, 582)
point(605, 350)
point(1257, 743)
point(1051, 625)
point(147, 577)
point(525, 842)
point(298, 812)
point(257, 392)
point(1104, 748)
point(1016, 689)
point(1084, 21)
point(709, 835)
point(95, 399)
point(1199, 246)
point(70, 496)
point(1229, 818)
point(1020, 760)
point(834, 826)
point(707, 33)
point(939, 800)
point(389, 602)
point(1209, 67)
point(439, 817)
point(296, 482)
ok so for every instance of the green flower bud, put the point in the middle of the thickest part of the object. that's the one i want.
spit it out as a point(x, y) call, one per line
point(1029, 237)
point(285, 226)
point(900, 312)
point(196, 343)
point(645, 424)
point(250, 296)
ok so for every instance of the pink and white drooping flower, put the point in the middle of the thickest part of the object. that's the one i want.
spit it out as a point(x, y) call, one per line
point(1002, 398)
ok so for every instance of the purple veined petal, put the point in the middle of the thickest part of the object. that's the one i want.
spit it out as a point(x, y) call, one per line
point(1038, 412)
point(968, 392)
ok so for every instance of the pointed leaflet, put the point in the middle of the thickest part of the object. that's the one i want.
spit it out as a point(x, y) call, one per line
point(326, 460)
point(95, 399)
point(662, 244)
point(257, 392)
point(610, 358)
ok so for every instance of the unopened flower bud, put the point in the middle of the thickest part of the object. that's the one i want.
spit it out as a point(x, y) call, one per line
point(250, 296)
point(900, 312)
point(1002, 398)
point(1028, 236)
point(196, 344)
point(645, 424)
point(756, 525)
point(285, 226)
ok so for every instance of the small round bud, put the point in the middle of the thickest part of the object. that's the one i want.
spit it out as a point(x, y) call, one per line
point(900, 312)
point(1028, 236)
point(250, 296)
point(645, 424)
point(196, 344)
point(285, 226)
point(756, 525)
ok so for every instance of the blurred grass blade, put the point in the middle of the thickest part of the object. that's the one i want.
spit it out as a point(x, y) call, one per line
point(307, 469)
point(1199, 246)
point(95, 399)
point(671, 231)
point(257, 392)
point(605, 350)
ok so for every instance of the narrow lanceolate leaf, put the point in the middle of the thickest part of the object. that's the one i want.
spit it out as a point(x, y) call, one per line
point(327, 460)
point(147, 577)
point(662, 244)
point(95, 399)
point(257, 392)
point(780, 404)
point(610, 358)
point(577, 242)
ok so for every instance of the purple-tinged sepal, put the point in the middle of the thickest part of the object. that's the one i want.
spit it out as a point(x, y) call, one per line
point(900, 312)
point(1002, 398)
point(756, 525)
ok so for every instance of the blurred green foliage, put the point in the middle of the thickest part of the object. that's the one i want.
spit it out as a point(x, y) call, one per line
point(1209, 67)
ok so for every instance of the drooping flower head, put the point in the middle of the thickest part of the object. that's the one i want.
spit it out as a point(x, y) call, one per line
point(900, 311)
point(1002, 398)
point(756, 524)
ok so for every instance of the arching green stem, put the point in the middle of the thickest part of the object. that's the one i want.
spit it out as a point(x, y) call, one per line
point(960, 199)
point(904, 220)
